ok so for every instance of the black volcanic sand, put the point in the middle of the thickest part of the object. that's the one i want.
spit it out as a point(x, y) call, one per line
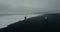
point(38, 23)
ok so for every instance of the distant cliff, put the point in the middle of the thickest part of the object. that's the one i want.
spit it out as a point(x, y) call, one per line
point(36, 23)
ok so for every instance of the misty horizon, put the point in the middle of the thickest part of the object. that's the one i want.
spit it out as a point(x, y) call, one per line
point(29, 6)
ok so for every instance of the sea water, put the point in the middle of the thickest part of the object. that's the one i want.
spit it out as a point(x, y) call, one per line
point(6, 20)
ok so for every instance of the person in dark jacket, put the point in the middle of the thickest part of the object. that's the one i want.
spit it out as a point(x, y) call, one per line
point(25, 17)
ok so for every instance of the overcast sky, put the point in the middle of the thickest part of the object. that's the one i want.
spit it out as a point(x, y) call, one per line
point(28, 6)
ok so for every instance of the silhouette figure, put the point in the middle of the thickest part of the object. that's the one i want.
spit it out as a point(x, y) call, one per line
point(46, 19)
point(25, 17)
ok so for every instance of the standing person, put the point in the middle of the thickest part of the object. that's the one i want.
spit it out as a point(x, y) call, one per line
point(25, 17)
point(46, 19)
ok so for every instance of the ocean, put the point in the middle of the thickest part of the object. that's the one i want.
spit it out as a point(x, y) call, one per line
point(6, 20)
